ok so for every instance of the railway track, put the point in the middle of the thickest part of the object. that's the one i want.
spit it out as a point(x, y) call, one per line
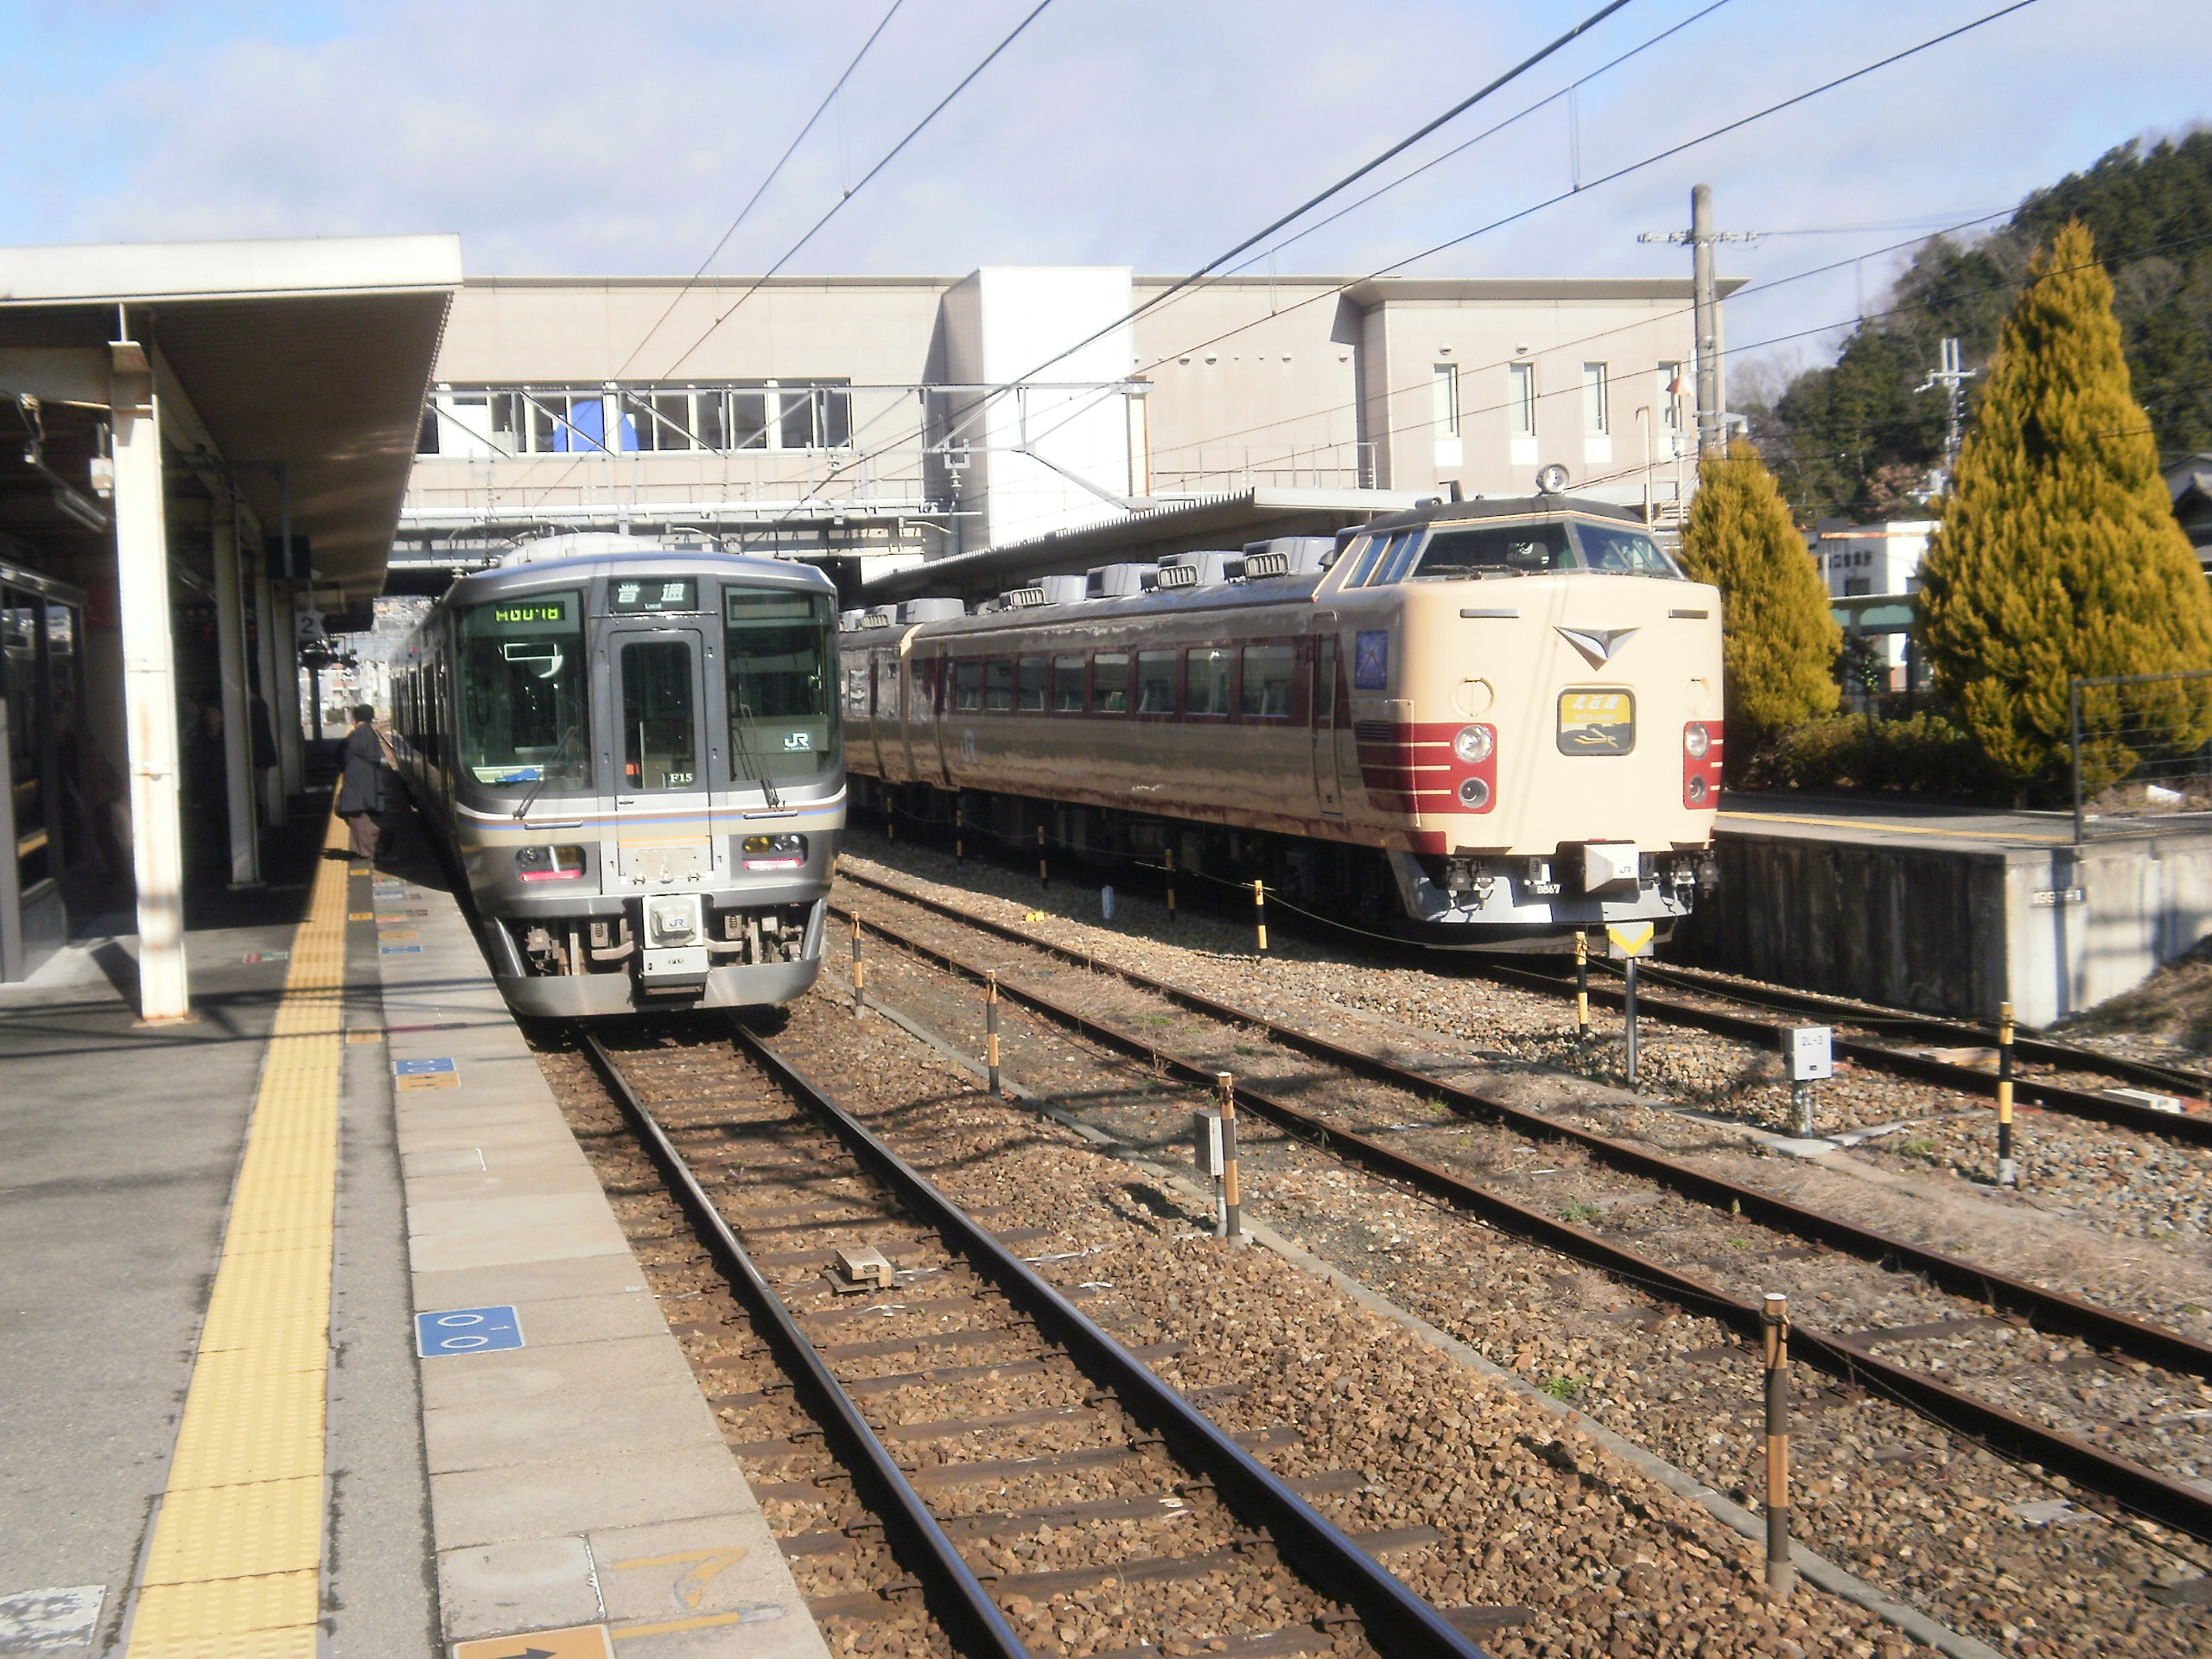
point(975, 1376)
point(1976, 1330)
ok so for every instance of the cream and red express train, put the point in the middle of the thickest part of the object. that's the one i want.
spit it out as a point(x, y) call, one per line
point(1489, 723)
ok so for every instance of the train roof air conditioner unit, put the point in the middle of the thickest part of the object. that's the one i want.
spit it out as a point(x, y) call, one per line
point(849, 621)
point(1065, 590)
point(879, 617)
point(1288, 555)
point(1020, 599)
point(1122, 581)
point(1201, 569)
point(931, 610)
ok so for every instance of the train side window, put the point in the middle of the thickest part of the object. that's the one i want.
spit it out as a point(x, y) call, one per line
point(1394, 564)
point(1156, 681)
point(1206, 680)
point(998, 685)
point(1067, 685)
point(1110, 682)
point(967, 686)
point(1029, 685)
point(1270, 672)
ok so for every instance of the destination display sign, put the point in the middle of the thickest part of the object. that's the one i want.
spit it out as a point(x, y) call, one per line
point(652, 595)
point(1597, 722)
point(539, 613)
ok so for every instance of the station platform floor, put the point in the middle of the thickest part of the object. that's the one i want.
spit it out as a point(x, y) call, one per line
point(1891, 822)
point(319, 1335)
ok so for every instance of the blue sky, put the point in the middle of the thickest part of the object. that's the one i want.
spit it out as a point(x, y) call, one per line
point(571, 137)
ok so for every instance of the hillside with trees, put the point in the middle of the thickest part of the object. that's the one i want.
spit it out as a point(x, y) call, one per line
point(1855, 439)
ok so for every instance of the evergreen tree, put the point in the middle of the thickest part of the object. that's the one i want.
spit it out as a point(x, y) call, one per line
point(1779, 639)
point(2058, 553)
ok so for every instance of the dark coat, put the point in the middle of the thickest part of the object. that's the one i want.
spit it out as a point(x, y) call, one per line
point(361, 789)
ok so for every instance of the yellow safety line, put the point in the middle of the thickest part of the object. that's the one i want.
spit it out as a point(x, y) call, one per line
point(1898, 830)
point(235, 1569)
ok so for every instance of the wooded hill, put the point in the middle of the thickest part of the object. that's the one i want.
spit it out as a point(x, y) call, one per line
point(1853, 439)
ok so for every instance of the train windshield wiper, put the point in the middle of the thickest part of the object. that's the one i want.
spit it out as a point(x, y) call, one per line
point(743, 744)
point(545, 772)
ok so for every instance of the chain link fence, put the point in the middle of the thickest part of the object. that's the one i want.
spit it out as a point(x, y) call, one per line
point(2142, 752)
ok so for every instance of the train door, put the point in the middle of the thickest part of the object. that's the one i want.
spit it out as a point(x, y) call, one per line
point(664, 828)
point(1323, 704)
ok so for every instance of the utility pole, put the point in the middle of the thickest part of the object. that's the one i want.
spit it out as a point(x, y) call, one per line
point(1953, 379)
point(1712, 427)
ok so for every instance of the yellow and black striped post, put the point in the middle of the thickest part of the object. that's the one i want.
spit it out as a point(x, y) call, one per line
point(991, 1029)
point(1171, 886)
point(859, 973)
point(1781, 1576)
point(1232, 1226)
point(2008, 1173)
point(1581, 987)
point(1259, 912)
point(1044, 875)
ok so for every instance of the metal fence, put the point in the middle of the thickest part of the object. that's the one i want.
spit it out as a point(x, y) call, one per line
point(2142, 752)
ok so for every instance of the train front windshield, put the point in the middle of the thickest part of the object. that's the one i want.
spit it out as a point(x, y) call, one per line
point(526, 707)
point(777, 647)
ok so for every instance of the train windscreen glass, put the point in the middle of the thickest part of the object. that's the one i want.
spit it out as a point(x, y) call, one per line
point(777, 649)
point(1621, 551)
point(525, 705)
point(1494, 550)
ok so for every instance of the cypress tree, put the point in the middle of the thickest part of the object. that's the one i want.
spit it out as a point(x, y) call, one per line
point(1779, 639)
point(2058, 553)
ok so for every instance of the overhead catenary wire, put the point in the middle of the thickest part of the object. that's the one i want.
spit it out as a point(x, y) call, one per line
point(1629, 168)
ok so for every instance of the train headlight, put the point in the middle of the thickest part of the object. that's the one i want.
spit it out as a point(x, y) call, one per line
point(1696, 791)
point(541, 863)
point(783, 852)
point(1475, 744)
point(1474, 794)
point(1697, 741)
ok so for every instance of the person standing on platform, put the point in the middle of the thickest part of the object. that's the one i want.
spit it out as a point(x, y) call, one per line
point(361, 786)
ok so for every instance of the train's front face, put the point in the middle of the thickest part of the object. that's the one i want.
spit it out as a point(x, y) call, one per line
point(1537, 693)
point(651, 781)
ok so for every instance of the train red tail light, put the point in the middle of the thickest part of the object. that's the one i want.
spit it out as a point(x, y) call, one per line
point(549, 863)
point(1701, 764)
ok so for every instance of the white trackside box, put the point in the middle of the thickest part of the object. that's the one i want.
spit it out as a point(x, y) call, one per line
point(1205, 1143)
point(1809, 1051)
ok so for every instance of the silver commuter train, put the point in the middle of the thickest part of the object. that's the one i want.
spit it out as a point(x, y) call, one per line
point(632, 751)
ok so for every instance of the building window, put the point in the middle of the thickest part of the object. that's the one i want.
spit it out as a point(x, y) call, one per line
point(483, 421)
point(1444, 395)
point(1596, 415)
point(1521, 408)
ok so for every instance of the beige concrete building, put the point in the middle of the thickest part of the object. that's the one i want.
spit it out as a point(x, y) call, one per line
point(895, 419)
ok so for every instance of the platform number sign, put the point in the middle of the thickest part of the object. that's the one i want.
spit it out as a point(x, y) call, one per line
point(467, 1331)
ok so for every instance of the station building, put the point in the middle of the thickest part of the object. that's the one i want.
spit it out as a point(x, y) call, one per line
point(209, 444)
point(875, 423)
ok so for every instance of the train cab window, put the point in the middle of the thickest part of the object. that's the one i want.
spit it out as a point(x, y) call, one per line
point(968, 686)
point(998, 685)
point(1394, 564)
point(525, 696)
point(777, 648)
point(1623, 552)
point(1110, 682)
point(659, 721)
point(1029, 685)
point(1270, 672)
point(1205, 680)
point(1156, 681)
point(1494, 550)
point(1067, 685)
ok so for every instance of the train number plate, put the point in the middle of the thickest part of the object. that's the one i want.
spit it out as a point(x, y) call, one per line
point(1597, 722)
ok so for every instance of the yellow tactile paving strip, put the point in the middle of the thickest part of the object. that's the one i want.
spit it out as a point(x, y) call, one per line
point(235, 1569)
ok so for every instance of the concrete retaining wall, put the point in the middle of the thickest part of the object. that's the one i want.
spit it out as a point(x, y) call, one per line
point(1953, 930)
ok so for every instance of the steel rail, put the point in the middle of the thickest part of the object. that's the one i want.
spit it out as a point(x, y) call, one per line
point(1396, 1620)
point(961, 1605)
point(2049, 1310)
point(2127, 1483)
point(2194, 1127)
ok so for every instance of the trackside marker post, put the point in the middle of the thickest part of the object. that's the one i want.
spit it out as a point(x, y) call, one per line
point(1631, 941)
point(991, 1028)
point(1044, 875)
point(2008, 1173)
point(860, 974)
point(1232, 1227)
point(1581, 987)
point(1259, 912)
point(1171, 886)
point(1781, 1577)
point(1808, 1054)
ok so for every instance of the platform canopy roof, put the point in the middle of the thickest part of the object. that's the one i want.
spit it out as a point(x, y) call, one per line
point(1226, 521)
point(315, 354)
